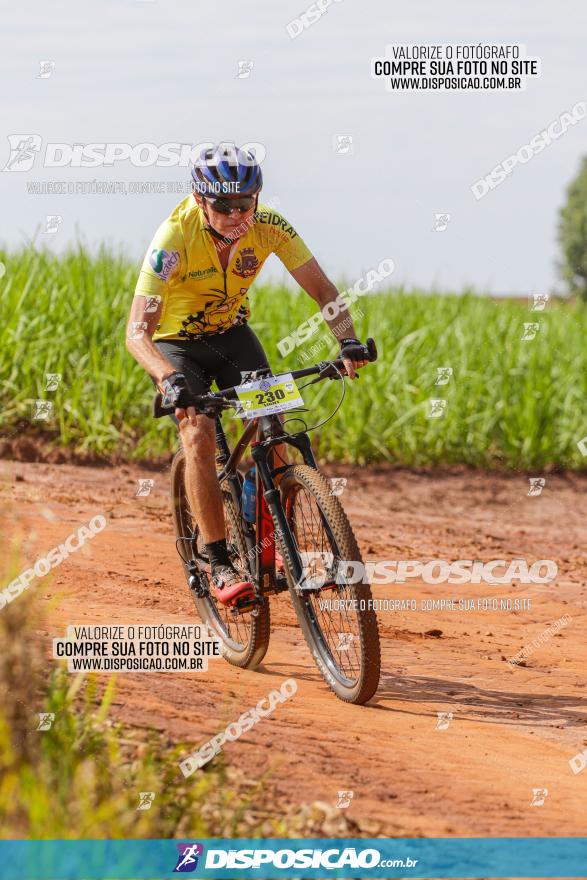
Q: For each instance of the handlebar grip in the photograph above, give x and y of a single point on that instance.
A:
(372, 349)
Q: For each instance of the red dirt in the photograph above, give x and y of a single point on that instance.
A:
(513, 730)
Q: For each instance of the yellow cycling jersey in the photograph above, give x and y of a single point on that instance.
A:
(181, 267)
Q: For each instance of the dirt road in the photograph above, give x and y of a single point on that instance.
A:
(512, 729)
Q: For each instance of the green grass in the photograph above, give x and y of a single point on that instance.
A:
(82, 777)
(510, 402)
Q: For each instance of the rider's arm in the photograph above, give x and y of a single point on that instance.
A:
(142, 322)
(314, 281)
(164, 260)
(298, 260)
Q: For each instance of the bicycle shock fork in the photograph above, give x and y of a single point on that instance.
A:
(271, 518)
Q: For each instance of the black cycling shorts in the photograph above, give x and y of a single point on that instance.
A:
(220, 357)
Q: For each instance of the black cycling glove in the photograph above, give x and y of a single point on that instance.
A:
(352, 349)
(176, 392)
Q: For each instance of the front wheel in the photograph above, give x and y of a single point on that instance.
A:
(336, 618)
(244, 637)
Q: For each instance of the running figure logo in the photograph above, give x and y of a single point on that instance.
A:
(539, 795)
(187, 860)
(46, 719)
(146, 799)
(537, 484)
(23, 151)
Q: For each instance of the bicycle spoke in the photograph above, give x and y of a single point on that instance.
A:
(339, 627)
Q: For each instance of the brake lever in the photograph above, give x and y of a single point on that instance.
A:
(327, 371)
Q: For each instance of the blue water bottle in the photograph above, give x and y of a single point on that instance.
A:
(250, 495)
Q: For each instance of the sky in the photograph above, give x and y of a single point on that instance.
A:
(148, 71)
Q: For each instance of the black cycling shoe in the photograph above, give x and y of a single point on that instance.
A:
(229, 586)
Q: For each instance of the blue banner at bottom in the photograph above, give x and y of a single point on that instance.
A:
(275, 858)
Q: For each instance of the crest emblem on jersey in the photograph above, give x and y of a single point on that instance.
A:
(246, 263)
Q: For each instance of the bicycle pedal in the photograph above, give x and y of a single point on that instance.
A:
(317, 588)
(244, 606)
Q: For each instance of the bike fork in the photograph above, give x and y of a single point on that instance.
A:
(280, 524)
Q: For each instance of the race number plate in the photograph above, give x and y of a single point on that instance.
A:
(266, 396)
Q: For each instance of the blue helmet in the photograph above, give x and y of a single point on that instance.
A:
(227, 170)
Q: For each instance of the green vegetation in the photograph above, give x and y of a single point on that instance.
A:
(572, 232)
(81, 777)
(510, 402)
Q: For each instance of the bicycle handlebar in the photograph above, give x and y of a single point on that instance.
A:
(215, 401)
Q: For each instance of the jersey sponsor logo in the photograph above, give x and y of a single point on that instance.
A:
(246, 263)
(163, 262)
(198, 273)
(275, 220)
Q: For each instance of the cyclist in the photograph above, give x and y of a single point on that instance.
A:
(188, 324)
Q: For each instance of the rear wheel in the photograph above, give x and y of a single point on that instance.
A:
(337, 622)
(244, 636)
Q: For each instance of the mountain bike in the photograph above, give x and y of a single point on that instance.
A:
(300, 519)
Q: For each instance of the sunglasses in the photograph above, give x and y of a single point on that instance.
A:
(227, 206)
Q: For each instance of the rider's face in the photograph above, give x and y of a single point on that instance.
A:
(226, 223)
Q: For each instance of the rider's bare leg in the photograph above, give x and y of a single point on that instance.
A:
(203, 489)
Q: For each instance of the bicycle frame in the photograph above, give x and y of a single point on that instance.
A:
(262, 434)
